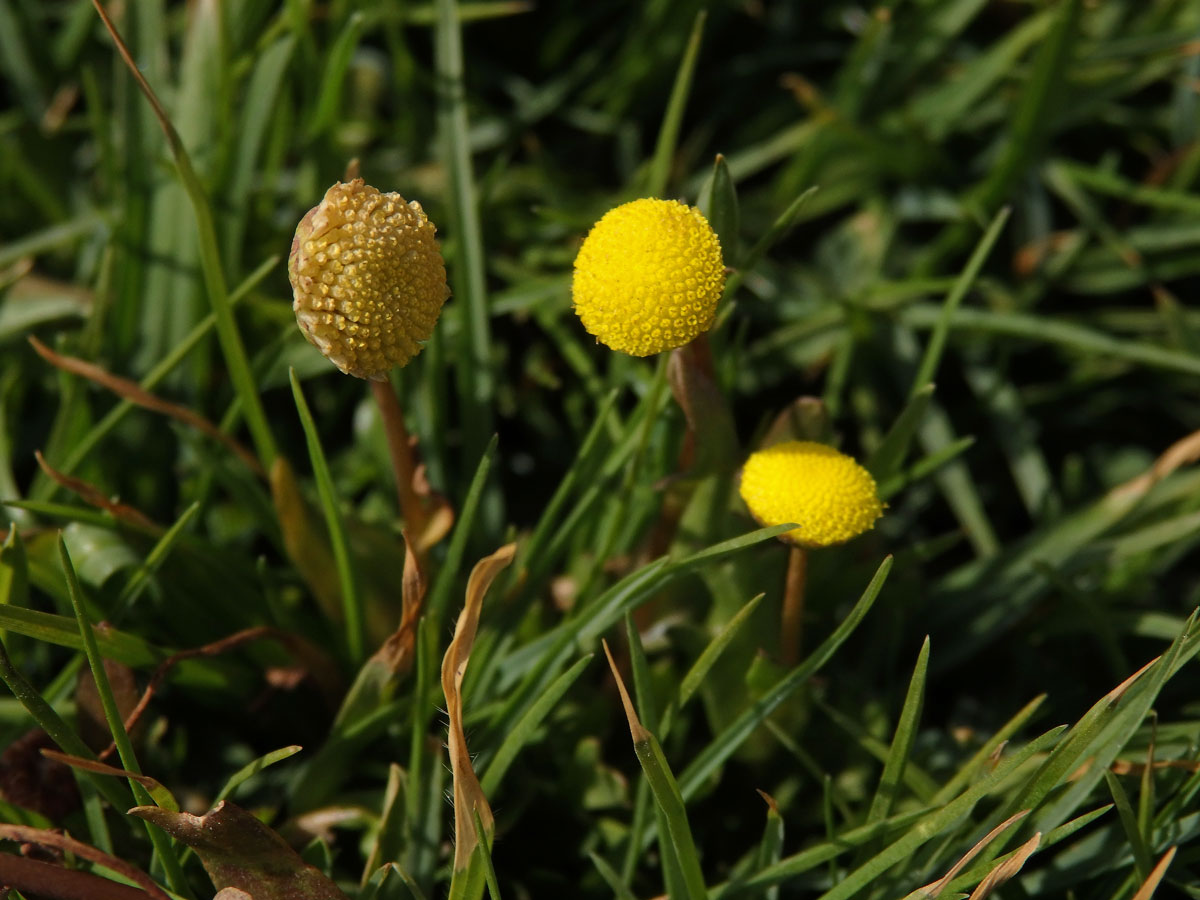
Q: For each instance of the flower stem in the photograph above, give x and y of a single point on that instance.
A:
(792, 622)
(400, 447)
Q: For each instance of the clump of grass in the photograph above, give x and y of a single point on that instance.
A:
(957, 237)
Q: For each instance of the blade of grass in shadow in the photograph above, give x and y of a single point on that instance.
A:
(937, 338)
(770, 850)
(887, 458)
(252, 768)
(351, 603)
(1046, 329)
(674, 880)
(724, 744)
(934, 823)
(86, 444)
(668, 135)
(474, 375)
(986, 752)
(141, 577)
(337, 63)
(556, 647)
(210, 259)
(162, 844)
(691, 681)
(1141, 852)
(523, 731)
(718, 201)
(666, 793)
(902, 741)
(611, 878)
(1032, 120)
(58, 730)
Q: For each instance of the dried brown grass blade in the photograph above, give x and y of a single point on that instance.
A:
(468, 795)
(933, 889)
(135, 393)
(1150, 885)
(93, 496)
(1007, 869)
(99, 768)
(636, 730)
(45, 838)
(397, 652)
(1184, 451)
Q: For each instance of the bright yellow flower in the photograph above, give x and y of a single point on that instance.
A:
(829, 496)
(368, 279)
(648, 277)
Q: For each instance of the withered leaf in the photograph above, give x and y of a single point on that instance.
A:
(238, 851)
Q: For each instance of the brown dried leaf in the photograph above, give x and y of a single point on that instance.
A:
(26, 835)
(933, 889)
(1150, 885)
(29, 779)
(468, 795)
(89, 711)
(135, 393)
(636, 730)
(1007, 869)
(1184, 451)
(238, 851)
(152, 785)
(93, 496)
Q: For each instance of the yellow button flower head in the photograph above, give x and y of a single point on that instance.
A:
(648, 277)
(826, 493)
(368, 279)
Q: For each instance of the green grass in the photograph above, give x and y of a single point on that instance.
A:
(963, 244)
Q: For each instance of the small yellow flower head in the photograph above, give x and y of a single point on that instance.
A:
(826, 493)
(648, 277)
(368, 279)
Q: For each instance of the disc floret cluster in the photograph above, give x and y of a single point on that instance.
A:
(827, 494)
(368, 278)
(648, 277)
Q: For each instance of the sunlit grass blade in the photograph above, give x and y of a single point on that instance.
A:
(718, 201)
(351, 602)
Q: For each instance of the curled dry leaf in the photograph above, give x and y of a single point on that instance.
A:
(469, 799)
(238, 851)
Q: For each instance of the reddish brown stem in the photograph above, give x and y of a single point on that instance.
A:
(400, 446)
(792, 622)
(32, 877)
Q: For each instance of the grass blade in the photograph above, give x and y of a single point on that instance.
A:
(351, 603)
(668, 135)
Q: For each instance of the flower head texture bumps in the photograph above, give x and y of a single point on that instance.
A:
(648, 277)
(368, 279)
(829, 496)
